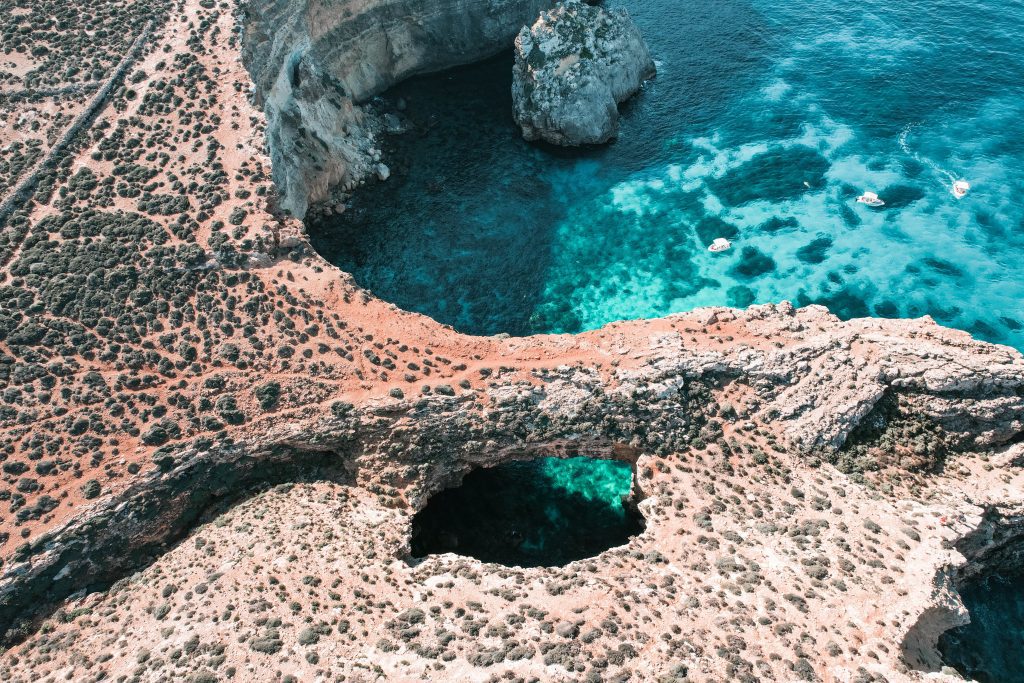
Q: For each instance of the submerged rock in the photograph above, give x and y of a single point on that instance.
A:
(573, 67)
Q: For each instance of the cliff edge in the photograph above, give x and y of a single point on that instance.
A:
(314, 62)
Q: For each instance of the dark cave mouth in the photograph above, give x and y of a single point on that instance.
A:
(989, 648)
(532, 513)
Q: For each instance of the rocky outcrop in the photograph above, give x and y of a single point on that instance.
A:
(313, 62)
(317, 138)
(800, 374)
(992, 546)
(573, 67)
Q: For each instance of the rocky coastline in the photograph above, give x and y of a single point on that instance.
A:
(814, 490)
(317, 63)
(670, 397)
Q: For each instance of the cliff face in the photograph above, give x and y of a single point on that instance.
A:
(314, 61)
(154, 365)
(772, 379)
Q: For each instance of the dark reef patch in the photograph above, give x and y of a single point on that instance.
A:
(753, 263)
(775, 224)
(816, 251)
(776, 175)
(900, 196)
(713, 227)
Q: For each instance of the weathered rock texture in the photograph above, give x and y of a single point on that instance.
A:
(573, 67)
(772, 379)
(814, 489)
(314, 61)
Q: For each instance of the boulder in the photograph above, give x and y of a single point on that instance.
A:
(573, 67)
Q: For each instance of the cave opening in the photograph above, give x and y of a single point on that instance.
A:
(989, 649)
(532, 513)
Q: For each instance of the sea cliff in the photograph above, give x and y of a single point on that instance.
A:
(315, 64)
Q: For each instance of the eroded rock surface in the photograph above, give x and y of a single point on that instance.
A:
(314, 62)
(573, 67)
(815, 490)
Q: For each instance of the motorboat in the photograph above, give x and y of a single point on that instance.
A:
(720, 244)
(960, 188)
(870, 199)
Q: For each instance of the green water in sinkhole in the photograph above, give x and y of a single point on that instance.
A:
(543, 512)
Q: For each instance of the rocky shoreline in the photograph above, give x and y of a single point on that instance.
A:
(815, 490)
(671, 401)
(316, 63)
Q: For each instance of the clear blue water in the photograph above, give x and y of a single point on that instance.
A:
(753, 99)
(544, 512)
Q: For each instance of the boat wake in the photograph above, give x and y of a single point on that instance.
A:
(904, 142)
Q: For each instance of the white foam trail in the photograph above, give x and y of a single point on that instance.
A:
(905, 146)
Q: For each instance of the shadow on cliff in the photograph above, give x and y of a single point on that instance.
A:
(989, 583)
(132, 530)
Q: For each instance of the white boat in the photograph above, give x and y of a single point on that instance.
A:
(720, 244)
(960, 188)
(870, 199)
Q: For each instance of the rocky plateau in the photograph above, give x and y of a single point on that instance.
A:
(214, 441)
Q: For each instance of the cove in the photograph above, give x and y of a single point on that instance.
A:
(764, 123)
(990, 649)
(543, 512)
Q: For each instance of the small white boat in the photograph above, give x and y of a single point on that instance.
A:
(960, 188)
(720, 244)
(871, 199)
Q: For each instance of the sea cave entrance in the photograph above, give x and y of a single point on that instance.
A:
(532, 513)
(990, 649)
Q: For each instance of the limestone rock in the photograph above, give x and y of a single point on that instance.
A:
(315, 62)
(567, 629)
(573, 67)
(316, 138)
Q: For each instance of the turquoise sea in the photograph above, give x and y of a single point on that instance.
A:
(764, 123)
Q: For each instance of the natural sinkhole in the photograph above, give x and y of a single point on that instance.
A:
(990, 649)
(534, 513)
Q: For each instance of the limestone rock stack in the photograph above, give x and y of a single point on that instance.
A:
(573, 67)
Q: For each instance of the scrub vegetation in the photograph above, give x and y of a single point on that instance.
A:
(156, 307)
(146, 280)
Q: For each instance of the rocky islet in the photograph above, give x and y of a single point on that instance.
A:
(573, 67)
